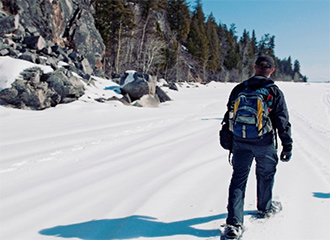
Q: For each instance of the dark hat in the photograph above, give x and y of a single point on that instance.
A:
(265, 62)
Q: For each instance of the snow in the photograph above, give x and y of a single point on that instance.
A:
(11, 68)
(90, 170)
(130, 76)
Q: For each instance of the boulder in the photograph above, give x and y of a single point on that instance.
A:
(29, 92)
(36, 90)
(137, 85)
(163, 97)
(35, 42)
(67, 86)
(8, 24)
(28, 57)
(173, 86)
(148, 100)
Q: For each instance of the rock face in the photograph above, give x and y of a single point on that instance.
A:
(60, 29)
(49, 32)
(36, 90)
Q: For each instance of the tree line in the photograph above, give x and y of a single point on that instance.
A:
(165, 38)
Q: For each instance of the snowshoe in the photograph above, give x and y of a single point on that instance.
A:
(232, 232)
(276, 207)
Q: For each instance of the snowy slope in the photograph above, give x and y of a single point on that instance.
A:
(90, 170)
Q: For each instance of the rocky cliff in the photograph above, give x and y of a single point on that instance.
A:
(58, 25)
(54, 33)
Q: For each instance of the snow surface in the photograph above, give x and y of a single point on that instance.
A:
(90, 170)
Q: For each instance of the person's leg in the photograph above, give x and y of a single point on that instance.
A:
(242, 160)
(266, 162)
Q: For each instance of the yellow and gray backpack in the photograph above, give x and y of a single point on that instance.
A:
(249, 119)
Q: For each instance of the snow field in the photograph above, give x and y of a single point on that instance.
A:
(91, 170)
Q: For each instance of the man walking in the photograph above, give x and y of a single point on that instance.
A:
(256, 112)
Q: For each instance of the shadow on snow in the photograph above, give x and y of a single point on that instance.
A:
(133, 227)
(321, 195)
(136, 226)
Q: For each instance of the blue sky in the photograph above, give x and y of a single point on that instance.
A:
(301, 28)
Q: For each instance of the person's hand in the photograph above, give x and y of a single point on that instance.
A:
(286, 156)
(286, 153)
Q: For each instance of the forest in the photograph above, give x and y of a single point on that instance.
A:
(167, 39)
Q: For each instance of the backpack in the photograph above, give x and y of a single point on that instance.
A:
(249, 120)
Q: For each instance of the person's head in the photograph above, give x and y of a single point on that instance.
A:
(264, 66)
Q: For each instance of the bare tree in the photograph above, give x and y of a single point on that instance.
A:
(152, 54)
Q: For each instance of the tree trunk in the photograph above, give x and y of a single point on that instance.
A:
(118, 49)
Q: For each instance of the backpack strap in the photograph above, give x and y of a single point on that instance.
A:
(272, 93)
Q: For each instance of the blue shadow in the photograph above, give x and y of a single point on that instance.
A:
(133, 227)
(116, 89)
(321, 195)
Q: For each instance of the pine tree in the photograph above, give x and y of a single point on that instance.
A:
(197, 40)
(296, 66)
(288, 67)
(267, 45)
(213, 63)
(178, 16)
(232, 59)
(247, 50)
(254, 43)
(114, 20)
(150, 5)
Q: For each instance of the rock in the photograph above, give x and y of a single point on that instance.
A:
(84, 33)
(173, 86)
(8, 96)
(9, 42)
(86, 67)
(36, 90)
(66, 23)
(28, 93)
(136, 89)
(137, 85)
(163, 97)
(35, 42)
(148, 100)
(4, 52)
(122, 100)
(28, 57)
(126, 98)
(68, 87)
(8, 24)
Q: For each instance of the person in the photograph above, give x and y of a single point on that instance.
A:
(263, 150)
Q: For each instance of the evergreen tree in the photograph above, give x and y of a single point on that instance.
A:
(254, 43)
(288, 67)
(197, 39)
(267, 45)
(148, 5)
(114, 20)
(232, 58)
(213, 63)
(149, 35)
(247, 51)
(296, 66)
(178, 15)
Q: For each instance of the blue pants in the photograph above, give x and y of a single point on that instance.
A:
(266, 162)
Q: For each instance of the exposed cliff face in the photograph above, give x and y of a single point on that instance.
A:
(67, 23)
(49, 32)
